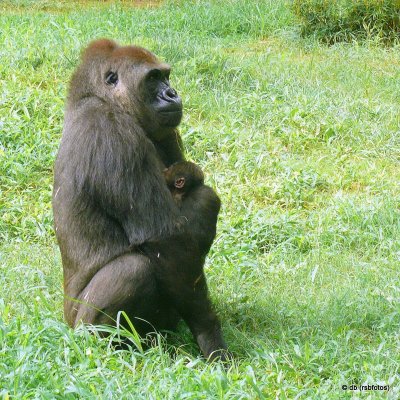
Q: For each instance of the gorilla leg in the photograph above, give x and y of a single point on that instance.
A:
(189, 294)
(126, 283)
(196, 309)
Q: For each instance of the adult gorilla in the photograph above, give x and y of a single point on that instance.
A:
(125, 243)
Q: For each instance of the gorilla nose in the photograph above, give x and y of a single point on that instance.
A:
(170, 94)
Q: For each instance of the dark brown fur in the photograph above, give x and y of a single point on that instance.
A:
(125, 243)
(181, 178)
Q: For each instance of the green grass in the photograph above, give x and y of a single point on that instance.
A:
(301, 141)
(346, 20)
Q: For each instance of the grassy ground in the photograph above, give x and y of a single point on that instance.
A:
(301, 141)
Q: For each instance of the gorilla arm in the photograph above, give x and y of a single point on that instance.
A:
(116, 171)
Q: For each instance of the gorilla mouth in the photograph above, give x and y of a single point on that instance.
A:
(169, 112)
(171, 117)
(170, 108)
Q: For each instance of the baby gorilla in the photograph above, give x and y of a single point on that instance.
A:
(185, 181)
(185, 253)
(181, 178)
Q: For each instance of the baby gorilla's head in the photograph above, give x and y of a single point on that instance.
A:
(183, 176)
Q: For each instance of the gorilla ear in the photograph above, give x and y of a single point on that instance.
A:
(100, 47)
(180, 182)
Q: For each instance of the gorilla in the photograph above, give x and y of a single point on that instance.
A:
(128, 240)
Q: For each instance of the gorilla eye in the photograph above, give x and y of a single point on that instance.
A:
(111, 78)
(155, 74)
